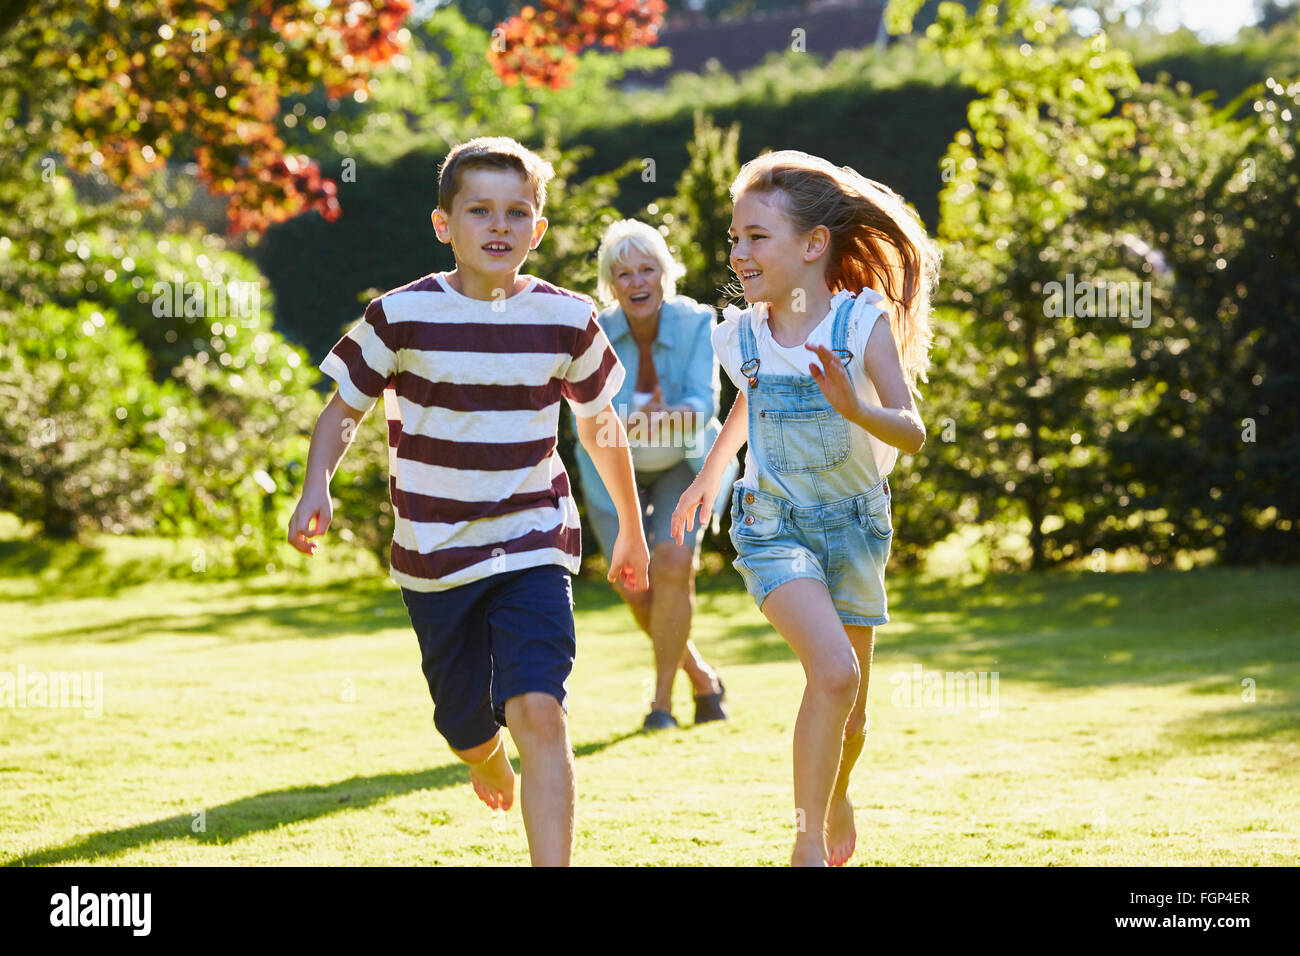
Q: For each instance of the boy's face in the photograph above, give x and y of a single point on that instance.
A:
(492, 224)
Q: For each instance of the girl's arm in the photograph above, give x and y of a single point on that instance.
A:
(895, 420)
(734, 434)
(703, 491)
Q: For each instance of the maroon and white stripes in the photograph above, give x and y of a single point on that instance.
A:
(472, 391)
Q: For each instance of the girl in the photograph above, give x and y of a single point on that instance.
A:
(822, 254)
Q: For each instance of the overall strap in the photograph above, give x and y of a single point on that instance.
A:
(748, 344)
(749, 362)
(840, 331)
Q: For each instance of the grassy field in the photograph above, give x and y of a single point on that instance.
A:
(1137, 719)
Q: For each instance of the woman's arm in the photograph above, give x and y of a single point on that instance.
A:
(702, 385)
(603, 438)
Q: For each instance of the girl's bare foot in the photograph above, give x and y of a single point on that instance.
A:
(808, 852)
(841, 836)
(494, 779)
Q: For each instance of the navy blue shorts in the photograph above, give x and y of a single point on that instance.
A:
(490, 640)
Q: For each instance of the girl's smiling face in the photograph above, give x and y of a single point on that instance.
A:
(766, 254)
(493, 223)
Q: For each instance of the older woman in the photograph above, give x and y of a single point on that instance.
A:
(669, 404)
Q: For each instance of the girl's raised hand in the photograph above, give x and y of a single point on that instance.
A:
(697, 495)
(834, 381)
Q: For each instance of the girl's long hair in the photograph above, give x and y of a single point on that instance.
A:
(877, 241)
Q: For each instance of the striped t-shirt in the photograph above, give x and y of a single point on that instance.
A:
(472, 394)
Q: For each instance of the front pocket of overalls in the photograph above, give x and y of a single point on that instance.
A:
(880, 521)
(755, 522)
(805, 440)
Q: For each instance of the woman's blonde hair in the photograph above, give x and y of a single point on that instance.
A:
(877, 241)
(619, 240)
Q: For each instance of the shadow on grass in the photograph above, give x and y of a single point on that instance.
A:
(269, 810)
(1095, 629)
(66, 568)
(341, 609)
(1207, 627)
(38, 568)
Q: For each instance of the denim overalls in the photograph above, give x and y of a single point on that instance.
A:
(818, 511)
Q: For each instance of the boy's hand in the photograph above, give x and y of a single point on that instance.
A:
(630, 562)
(310, 519)
(701, 493)
(833, 379)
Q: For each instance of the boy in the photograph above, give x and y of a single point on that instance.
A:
(485, 528)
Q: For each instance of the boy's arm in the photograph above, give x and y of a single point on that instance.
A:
(330, 440)
(605, 440)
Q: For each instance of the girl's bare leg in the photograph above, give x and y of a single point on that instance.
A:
(841, 835)
(802, 613)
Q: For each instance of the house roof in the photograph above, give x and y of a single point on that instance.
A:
(737, 45)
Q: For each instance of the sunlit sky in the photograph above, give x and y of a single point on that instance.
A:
(1213, 20)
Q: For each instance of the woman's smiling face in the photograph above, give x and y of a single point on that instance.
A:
(765, 252)
(637, 281)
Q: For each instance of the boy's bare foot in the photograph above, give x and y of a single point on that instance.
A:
(841, 836)
(494, 780)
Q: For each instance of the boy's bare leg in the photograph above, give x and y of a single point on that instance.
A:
(802, 612)
(537, 724)
(841, 835)
(490, 772)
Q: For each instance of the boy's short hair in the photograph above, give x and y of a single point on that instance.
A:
(493, 152)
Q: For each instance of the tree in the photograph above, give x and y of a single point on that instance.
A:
(1026, 390)
(1212, 460)
(537, 46)
(697, 218)
(118, 88)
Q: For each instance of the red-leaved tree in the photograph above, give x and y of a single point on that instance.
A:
(119, 86)
(538, 45)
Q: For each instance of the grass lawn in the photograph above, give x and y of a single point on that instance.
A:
(284, 720)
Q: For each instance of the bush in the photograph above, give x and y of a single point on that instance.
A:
(82, 422)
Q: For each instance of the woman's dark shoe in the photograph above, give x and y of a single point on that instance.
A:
(659, 720)
(709, 706)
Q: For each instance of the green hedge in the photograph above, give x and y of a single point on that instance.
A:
(322, 273)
